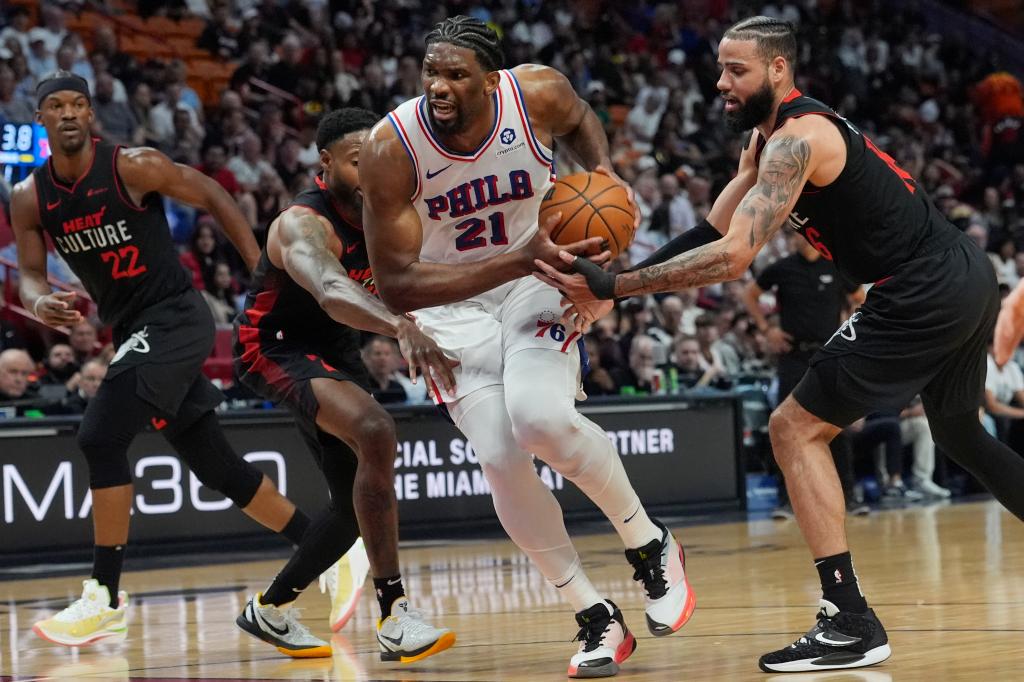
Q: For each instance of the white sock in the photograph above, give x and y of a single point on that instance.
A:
(575, 587)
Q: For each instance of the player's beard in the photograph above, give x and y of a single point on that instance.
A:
(349, 199)
(754, 111)
(70, 148)
(449, 127)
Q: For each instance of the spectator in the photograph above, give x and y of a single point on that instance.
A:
(83, 341)
(287, 72)
(205, 253)
(692, 370)
(287, 166)
(17, 29)
(598, 380)
(16, 368)
(177, 74)
(86, 385)
(675, 210)
(52, 30)
(643, 119)
(185, 145)
(883, 429)
(161, 117)
(1004, 386)
(248, 165)
(59, 366)
(639, 375)
(41, 60)
(707, 336)
(221, 34)
(141, 105)
(213, 165)
(916, 433)
(219, 294)
(13, 108)
(118, 123)
(381, 360)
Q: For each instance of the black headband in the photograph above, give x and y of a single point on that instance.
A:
(48, 87)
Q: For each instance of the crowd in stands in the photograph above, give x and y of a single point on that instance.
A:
(946, 112)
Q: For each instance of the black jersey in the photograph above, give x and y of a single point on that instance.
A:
(123, 253)
(277, 309)
(810, 296)
(873, 217)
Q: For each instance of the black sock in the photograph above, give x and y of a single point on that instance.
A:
(324, 542)
(388, 590)
(839, 583)
(106, 568)
(296, 527)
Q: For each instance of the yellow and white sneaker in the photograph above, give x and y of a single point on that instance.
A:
(344, 582)
(87, 620)
(405, 636)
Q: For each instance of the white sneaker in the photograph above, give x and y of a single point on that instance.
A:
(933, 489)
(279, 626)
(404, 635)
(661, 566)
(88, 619)
(604, 639)
(344, 582)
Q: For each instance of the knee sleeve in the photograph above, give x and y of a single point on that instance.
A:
(203, 447)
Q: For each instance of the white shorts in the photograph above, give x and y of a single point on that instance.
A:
(483, 331)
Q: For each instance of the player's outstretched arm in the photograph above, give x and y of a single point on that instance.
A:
(394, 237)
(52, 307)
(308, 251)
(146, 170)
(1010, 326)
(786, 163)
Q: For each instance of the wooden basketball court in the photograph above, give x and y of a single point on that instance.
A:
(947, 581)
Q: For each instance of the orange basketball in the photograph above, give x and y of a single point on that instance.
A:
(592, 205)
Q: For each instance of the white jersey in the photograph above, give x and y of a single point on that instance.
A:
(474, 206)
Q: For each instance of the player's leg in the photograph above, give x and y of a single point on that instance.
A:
(268, 615)
(533, 520)
(196, 435)
(112, 420)
(351, 415)
(541, 375)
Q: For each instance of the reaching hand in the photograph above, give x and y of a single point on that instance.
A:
(1009, 327)
(589, 283)
(582, 316)
(424, 355)
(55, 309)
(629, 193)
(540, 247)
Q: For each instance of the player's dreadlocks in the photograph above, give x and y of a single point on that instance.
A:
(473, 34)
(774, 37)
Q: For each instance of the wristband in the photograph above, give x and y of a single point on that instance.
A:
(601, 283)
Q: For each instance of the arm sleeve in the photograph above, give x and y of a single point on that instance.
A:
(700, 235)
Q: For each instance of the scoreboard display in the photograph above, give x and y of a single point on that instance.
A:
(23, 144)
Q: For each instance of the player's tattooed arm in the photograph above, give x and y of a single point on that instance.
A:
(308, 250)
(784, 168)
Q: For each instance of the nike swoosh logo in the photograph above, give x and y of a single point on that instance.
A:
(396, 642)
(632, 515)
(395, 581)
(350, 249)
(436, 173)
(820, 637)
(93, 192)
(272, 628)
(50, 207)
(558, 587)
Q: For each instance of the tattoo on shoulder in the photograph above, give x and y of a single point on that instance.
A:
(780, 175)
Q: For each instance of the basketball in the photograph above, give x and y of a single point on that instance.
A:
(592, 205)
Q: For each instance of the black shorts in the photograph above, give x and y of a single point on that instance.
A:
(166, 344)
(282, 372)
(925, 330)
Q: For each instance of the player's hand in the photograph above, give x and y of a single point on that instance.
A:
(629, 193)
(587, 284)
(1009, 327)
(424, 356)
(541, 248)
(582, 316)
(778, 341)
(57, 308)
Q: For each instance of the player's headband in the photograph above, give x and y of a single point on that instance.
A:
(48, 87)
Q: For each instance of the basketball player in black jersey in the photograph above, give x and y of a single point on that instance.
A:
(102, 207)
(922, 329)
(298, 343)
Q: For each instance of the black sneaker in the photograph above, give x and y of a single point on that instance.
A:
(855, 508)
(839, 640)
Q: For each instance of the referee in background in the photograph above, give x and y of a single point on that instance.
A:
(811, 300)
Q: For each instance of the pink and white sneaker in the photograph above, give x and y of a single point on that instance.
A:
(604, 639)
(661, 566)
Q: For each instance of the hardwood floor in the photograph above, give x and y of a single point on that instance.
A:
(947, 582)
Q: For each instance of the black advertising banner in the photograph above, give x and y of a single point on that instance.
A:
(676, 452)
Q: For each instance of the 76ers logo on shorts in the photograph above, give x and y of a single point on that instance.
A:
(548, 325)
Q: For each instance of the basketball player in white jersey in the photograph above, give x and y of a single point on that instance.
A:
(452, 183)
